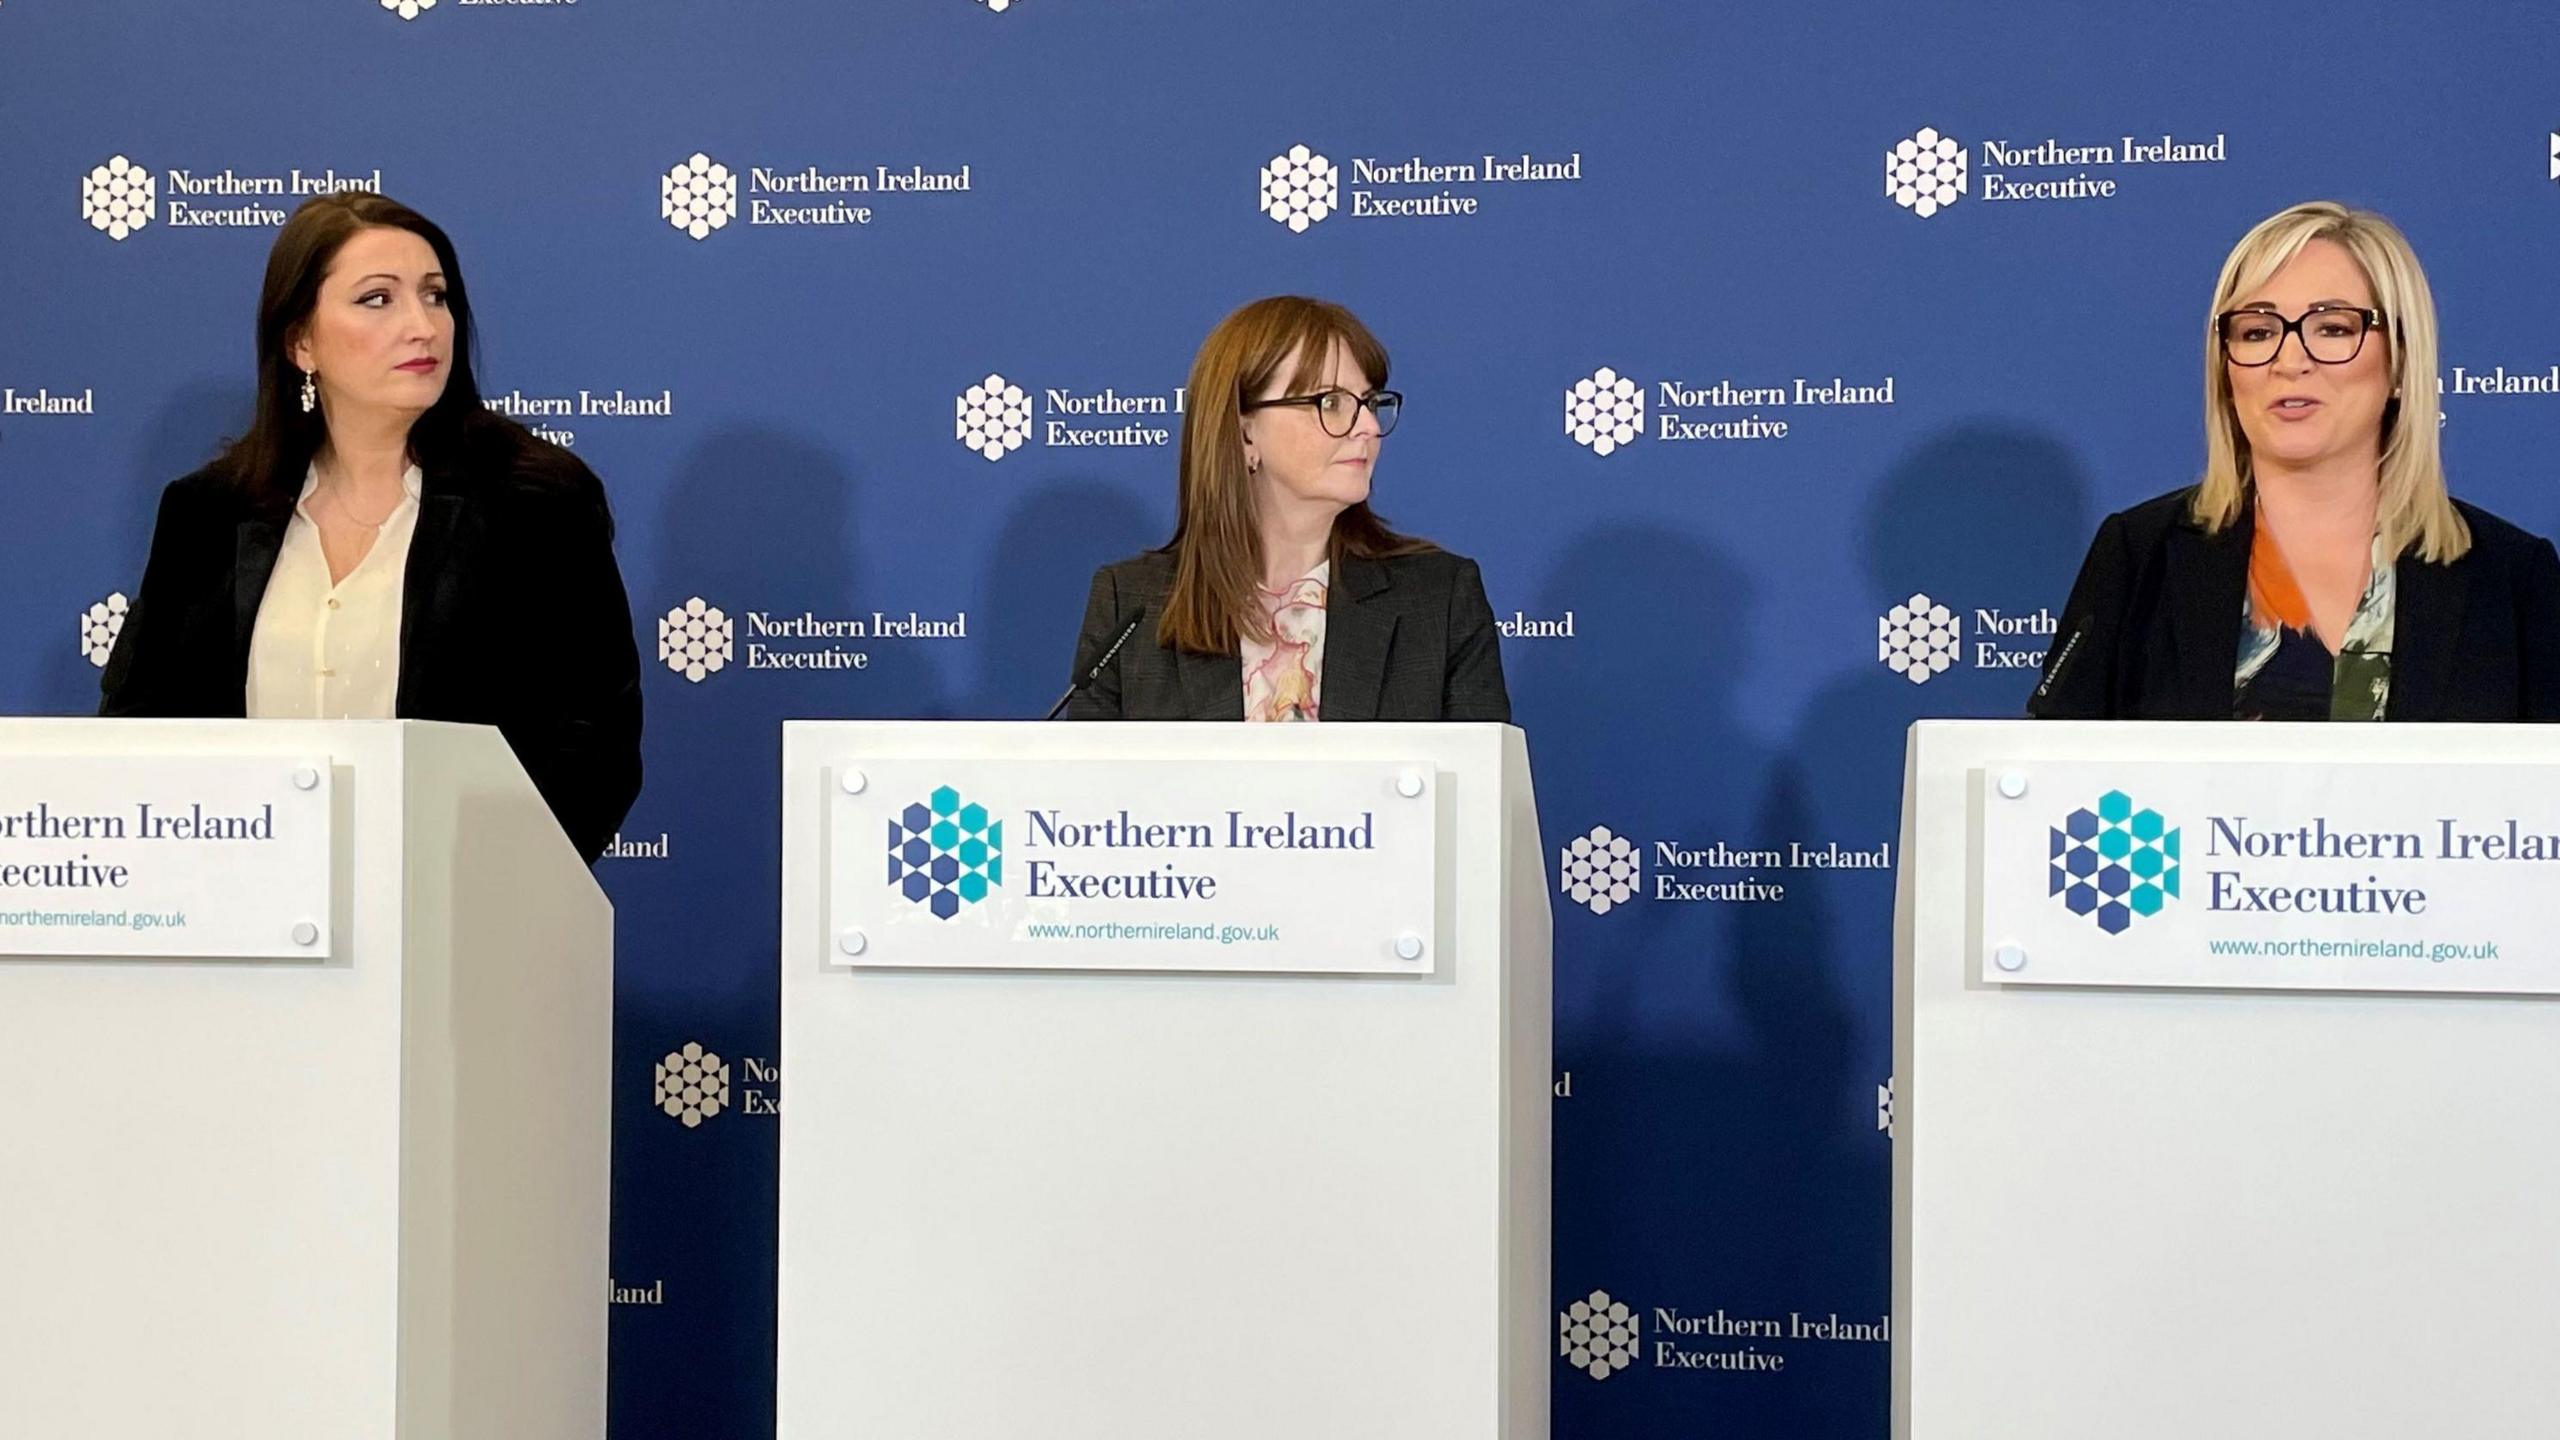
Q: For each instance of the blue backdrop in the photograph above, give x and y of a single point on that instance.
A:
(864, 312)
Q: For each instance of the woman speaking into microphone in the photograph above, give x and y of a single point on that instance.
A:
(2319, 571)
(379, 545)
(1282, 596)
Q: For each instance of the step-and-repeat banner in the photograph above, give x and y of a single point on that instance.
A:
(1776, 361)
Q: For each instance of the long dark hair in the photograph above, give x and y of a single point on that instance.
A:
(1217, 544)
(269, 462)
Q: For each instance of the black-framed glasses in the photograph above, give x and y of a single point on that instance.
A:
(1338, 410)
(2330, 334)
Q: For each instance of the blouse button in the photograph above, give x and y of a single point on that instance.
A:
(333, 602)
(327, 673)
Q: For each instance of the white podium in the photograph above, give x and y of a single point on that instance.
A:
(359, 1190)
(2262, 1154)
(1056, 1164)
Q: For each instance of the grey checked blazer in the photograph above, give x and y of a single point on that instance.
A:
(1409, 638)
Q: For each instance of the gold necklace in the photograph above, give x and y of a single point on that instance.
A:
(340, 501)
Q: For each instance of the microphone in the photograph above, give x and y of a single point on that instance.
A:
(1095, 673)
(2061, 657)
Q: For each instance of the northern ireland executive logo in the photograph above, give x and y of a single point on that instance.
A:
(994, 417)
(2114, 862)
(408, 9)
(1599, 1335)
(1926, 173)
(696, 639)
(945, 853)
(1300, 188)
(1919, 638)
(1601, 871)
(692, 1085)
(118, 198)
(698, 195)
(1603, 410)
(100, 624)
(1933, 170)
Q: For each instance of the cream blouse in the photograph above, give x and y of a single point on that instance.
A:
(325, 651)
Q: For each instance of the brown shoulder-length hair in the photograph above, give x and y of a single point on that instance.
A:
(1217, 544)
(269, 461)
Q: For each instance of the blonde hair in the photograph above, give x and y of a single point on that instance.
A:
(2416, 512)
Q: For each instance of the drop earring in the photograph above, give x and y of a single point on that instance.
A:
(310, 393)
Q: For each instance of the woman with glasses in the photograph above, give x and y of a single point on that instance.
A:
(1282, 595)
(2319, 571)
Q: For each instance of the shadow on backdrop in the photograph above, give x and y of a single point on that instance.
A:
(755, 521)
(1035, 585)
(1991, 521)
(188, 430)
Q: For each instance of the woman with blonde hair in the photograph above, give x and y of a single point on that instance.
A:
(2319, 571)
(1282, 596)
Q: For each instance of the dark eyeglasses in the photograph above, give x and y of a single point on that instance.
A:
(2330, 334)
(1338, 410)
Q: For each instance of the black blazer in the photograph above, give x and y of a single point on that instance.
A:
(2152, 630)
(1408, 638)
(512, 615)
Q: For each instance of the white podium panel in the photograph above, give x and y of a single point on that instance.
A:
(2202, 1127)
(355, 1195)
(1261, 1195)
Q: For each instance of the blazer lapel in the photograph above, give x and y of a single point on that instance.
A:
(253, 564)
(1359, 625)
(427, 587)
(2205, 582)
(1212, 685)
(2426, 615)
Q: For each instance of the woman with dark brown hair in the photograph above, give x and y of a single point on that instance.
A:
(1282, 596)
(379, 545)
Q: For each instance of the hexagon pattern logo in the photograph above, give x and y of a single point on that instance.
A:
(945, 853)
(1603, 411)
(997, 6)
(2555, 154)
(100, 624)
(1919, 638)
(1884, 1107)
(1300, 188)
(693, 1085)
(1598, 1335)
(408, 9)
(696, 639)
(1925, 174)
(1601, 870)
(118, 198)
(994, 417)
(699, 195)
(2113, 863)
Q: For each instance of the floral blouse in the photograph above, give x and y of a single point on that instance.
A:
(2285, 672)
(1284, 674)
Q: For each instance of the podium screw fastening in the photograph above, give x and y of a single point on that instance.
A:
(853, 941)
(2010, 957)
(852, 781)
(2013, 783)
(305, 933)
(306, 777)
(1409, 784)
(1408, 947)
